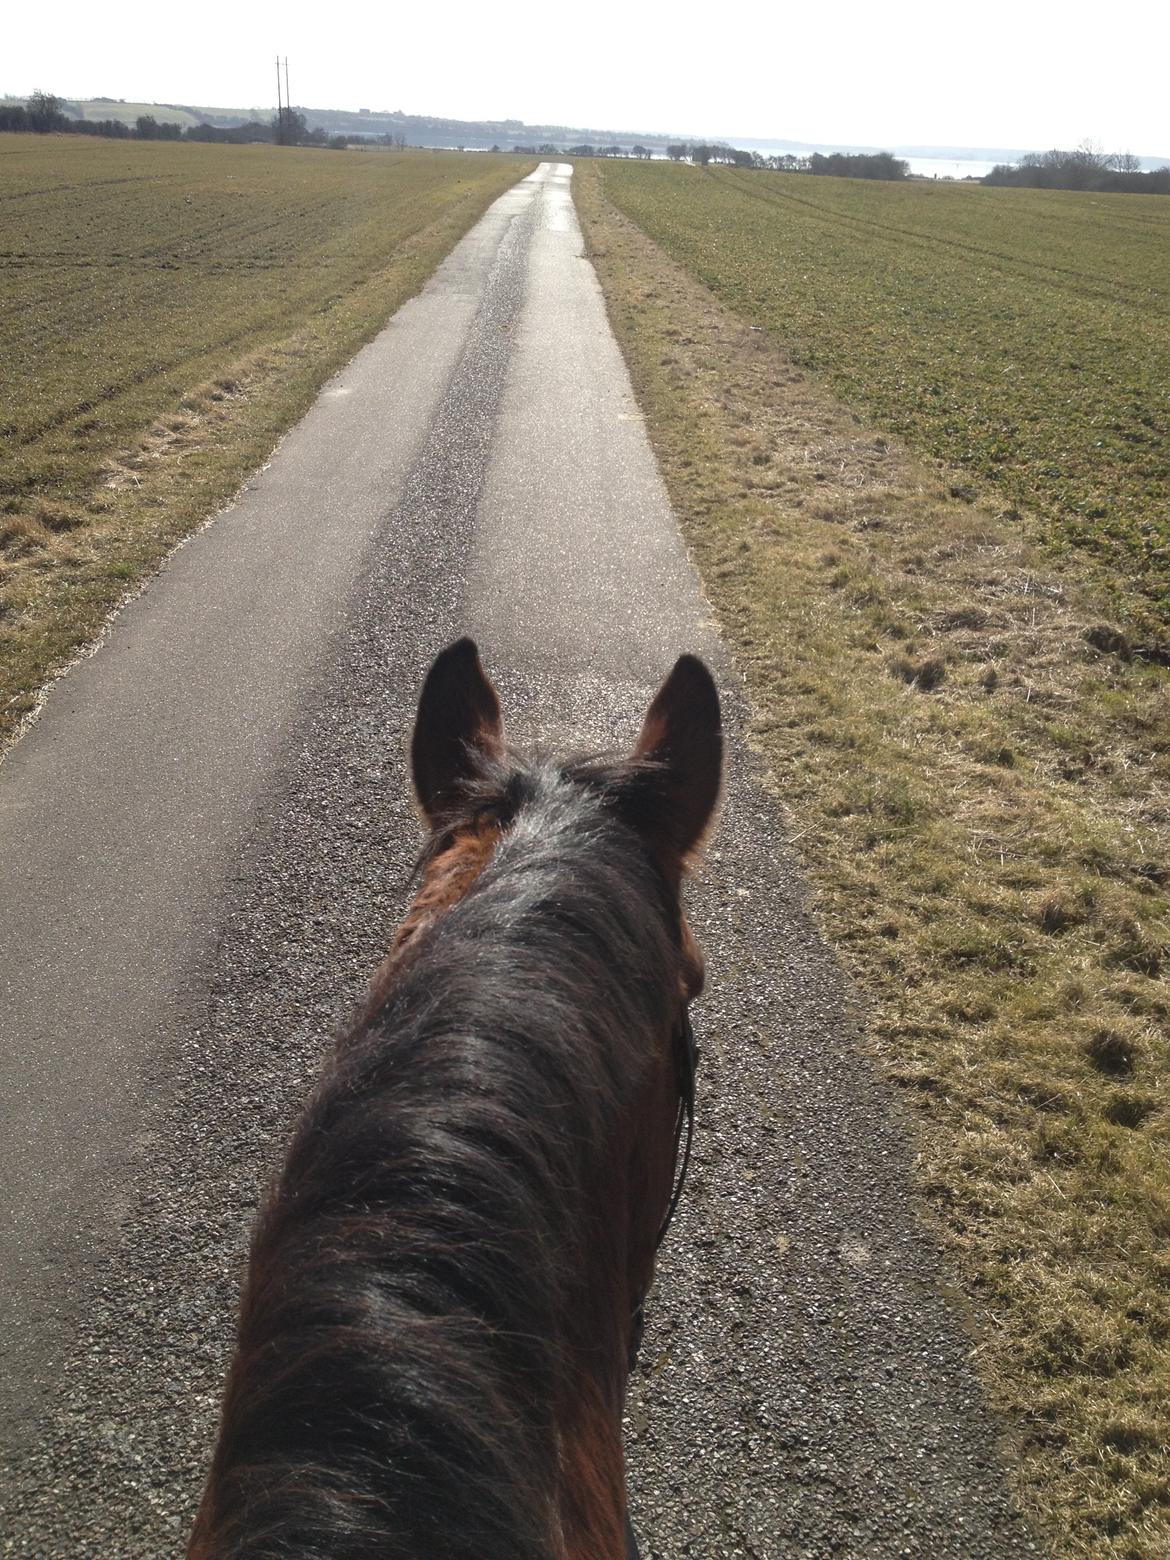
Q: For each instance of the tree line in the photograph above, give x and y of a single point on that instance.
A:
(44, 114)
(1086, 168)
(844, 165)
(1083, 169)
(847, 165)
(547, 149)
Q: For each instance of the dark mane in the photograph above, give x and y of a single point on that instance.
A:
(415, 1314)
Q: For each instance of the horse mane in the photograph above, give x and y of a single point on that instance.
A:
(408, 1327)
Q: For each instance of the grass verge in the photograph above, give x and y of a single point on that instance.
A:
(173, 310)
(977, 769)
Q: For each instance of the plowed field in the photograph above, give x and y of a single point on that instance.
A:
(165, 312)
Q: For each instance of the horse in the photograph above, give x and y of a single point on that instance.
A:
(445, 1287)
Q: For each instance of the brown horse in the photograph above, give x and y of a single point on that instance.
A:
(445, 1287)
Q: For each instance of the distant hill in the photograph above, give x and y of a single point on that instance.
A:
(988, 154)
(96, 109)
(948, 153)
(482, 134)
(418, 129)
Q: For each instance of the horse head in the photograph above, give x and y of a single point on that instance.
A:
(445, 1288)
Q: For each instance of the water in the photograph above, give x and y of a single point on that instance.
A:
(945, 168)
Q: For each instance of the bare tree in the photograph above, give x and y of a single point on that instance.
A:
(44, 112)
(289, 127)
(1091, 157)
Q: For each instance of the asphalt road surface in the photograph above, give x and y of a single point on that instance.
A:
(204, 843)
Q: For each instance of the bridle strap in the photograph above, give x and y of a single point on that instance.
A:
(632, 1550)
(686, 1059)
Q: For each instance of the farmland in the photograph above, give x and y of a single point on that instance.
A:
(1022, 337)
(971, 745)
(168, 310)
(102, 108)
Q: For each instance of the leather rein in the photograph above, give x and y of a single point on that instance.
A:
(686, 1062)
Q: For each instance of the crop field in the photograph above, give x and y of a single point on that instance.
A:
(166, 312)
(1021, 336)
(971, 746)
(96, 109)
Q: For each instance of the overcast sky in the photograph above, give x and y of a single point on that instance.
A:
(1018, 74)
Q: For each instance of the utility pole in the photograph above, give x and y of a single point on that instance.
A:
(284, 118)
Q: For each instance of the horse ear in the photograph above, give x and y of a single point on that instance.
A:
(683, 732)
(458, 723)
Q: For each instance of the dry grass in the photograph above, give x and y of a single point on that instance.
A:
(154, 357)
(977, 768)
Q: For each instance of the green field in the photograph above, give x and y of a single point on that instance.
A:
(96, 110)
(1021, 336)
(972, 752)
(167, 311)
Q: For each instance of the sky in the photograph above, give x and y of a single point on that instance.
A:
(1026, 74)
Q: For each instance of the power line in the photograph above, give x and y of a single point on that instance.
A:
(284, 119)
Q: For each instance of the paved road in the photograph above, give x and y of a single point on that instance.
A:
(203, 844)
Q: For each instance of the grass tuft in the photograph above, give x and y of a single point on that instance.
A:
(1113, 1050)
